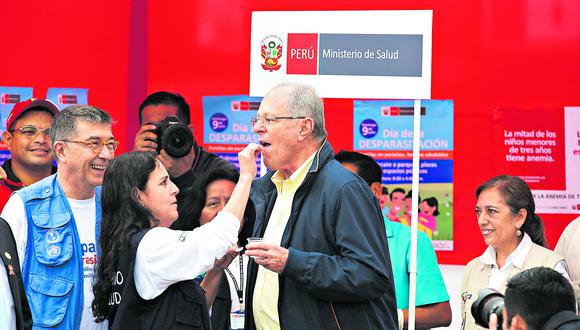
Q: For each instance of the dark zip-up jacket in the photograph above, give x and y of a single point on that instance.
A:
(338, 274)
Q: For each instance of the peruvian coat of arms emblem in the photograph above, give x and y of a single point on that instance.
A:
(271, 53)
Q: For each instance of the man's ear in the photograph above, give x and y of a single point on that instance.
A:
(59, 151)
(377, 189)
(305, 128)
(518, 323)
(7, 139)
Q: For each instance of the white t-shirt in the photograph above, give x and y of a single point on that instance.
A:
(166, 256)
(84, 212)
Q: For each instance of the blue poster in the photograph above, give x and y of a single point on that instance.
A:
(64, 97)
(227, 127)
(384, 130)
(8, 97)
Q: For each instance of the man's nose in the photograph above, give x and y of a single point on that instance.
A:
(106, 153)
(258, 127)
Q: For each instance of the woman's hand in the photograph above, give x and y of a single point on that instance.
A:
(248, 169)
(227, 259)
(213, 277)
(247, 159)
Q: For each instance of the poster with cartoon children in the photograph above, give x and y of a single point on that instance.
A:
(384, 130)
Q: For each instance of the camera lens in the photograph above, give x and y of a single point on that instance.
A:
(489, 301)
(177, 140)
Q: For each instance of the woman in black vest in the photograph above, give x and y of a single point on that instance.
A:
(146, 270)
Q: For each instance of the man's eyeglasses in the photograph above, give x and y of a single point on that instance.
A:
(267, 120)
(97, 146)
(31, 131)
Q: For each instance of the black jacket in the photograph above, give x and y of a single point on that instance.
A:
(565, 320)
(221, 307)
(9, 256)
(338, 274)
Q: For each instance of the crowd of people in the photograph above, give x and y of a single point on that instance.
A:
(149, 240)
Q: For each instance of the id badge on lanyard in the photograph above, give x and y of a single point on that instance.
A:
(238, 318)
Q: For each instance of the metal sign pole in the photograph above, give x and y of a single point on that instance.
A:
(414, 215)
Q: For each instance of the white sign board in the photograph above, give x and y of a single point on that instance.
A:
(344, 54)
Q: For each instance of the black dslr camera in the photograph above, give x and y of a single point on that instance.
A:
(173, 137)
(489, 301)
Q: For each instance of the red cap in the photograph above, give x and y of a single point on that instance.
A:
(21, 107)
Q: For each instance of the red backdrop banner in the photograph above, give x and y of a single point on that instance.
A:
(487, 54)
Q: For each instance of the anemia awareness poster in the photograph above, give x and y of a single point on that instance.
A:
(8, 97)
(227, 126)
(542, 146)
(384, 130)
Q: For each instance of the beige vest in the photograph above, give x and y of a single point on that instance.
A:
(476, 276)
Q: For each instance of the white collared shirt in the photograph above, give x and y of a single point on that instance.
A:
(497, 275)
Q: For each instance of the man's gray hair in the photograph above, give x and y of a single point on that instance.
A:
(64, 124)
(303, 100)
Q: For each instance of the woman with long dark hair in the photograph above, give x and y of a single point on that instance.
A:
(146, 270)
(514, 233)
(225, 284)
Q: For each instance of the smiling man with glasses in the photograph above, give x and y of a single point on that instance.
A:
(26, 137)
(61, 214)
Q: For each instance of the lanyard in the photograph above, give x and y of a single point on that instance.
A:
(240, 288)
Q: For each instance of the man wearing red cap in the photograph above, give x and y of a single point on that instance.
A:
(27, 138)
(31, 159)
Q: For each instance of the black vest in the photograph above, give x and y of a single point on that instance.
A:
(181, 306)
(9, 255)
(222, 305)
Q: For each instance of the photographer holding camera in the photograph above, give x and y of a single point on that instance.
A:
(537, 298)
(166, 130)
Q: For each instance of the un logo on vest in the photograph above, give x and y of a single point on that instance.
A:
(53, 250)
(52, 236)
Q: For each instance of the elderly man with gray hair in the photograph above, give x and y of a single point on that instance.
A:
(323, 262)
(55, 221)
